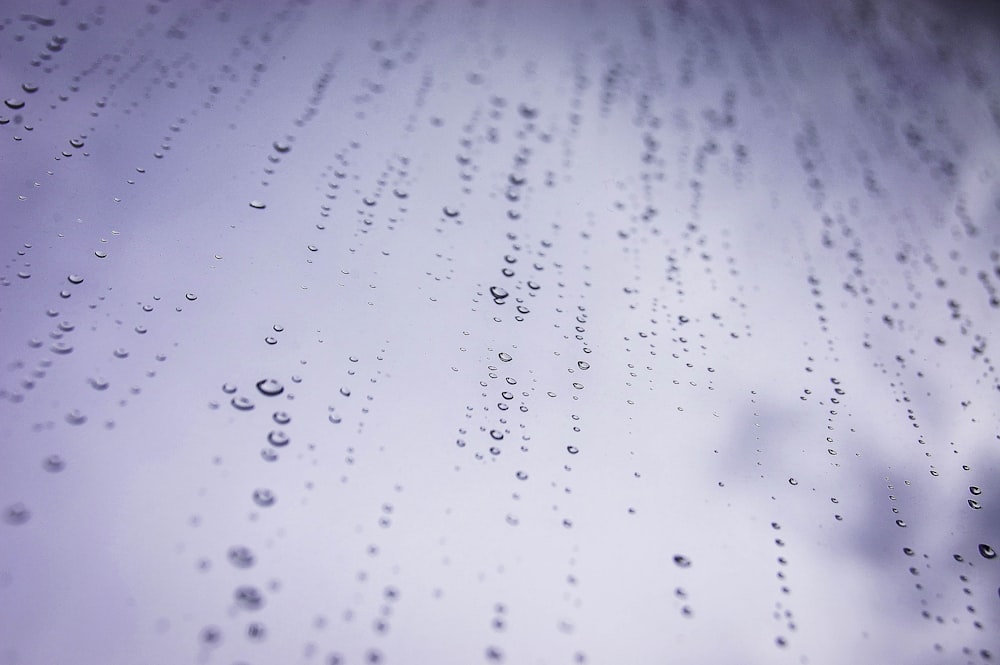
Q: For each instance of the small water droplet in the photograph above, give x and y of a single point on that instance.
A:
(498, 292)
(101, 254)
(75, 279)
(264, 497)
(901, 523)
(270, 387)
(505, 357)
(241, 556)
(682, 561)
(248, 597)
(242, 403)
(17, 514)
(14, 103)
(573, 450)
(282, 147)
(792, 481)
(258, 205)
(75, 417)
(987, 551)
(975, 490)
(54, 463)
(270, 340)
(282, 418)
(190, 296)
(975, 505)
(278, 438)
(496, 434)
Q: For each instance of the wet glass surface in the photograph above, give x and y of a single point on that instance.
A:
(493, 332)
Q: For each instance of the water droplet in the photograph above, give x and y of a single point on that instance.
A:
(521, 475)
(75, 279)
(270, 340)
(573, 450)
(190, 296)
(17, 514)
(98, 383)
(241, 556)
(54, 463)
(269, 454)
(505, 357)
(282, 418)
(248, 597)
(278, 327)
(975, 505)
(496, 434)
(498, 292)
(258, 205)
(450, 212)
(792, 481)
(987, 551)
(282, 147)
(210, 636)
(582, 364)
(14, 103)
(264, 497)
(975, 490)
(75, 417)
(278, 439)
(62, 348)
(901, 523)
(242, 403)
(270, 387)
(346, 392)
(29, 87)
(101, 254)
(682, 561)
(120, 353)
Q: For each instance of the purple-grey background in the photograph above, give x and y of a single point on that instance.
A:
(739, 404)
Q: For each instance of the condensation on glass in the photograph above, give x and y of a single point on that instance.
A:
(462, 332)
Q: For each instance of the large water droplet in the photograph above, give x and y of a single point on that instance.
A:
(987, 551)
(258, 205)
